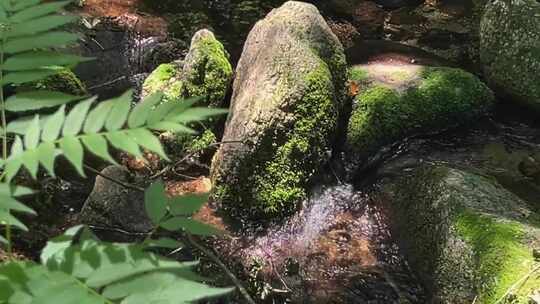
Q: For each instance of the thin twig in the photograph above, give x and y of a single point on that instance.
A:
(189, 155)
(98, 44)
(118, 230)
(107, 83)
(114, 180)
(216, 260)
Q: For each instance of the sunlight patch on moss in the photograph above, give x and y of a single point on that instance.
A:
(443, 98)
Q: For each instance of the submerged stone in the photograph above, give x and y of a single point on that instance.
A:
(288, 92)
(466, 236)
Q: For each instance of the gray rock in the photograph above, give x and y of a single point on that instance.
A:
(510, 48)
(465, 235)
(288, 93)
(113, 206)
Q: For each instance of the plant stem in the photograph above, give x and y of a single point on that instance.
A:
(121, 183)
(4, 134)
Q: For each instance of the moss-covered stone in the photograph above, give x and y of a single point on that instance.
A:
(510, 48)
(285, 177)
(166, 79)
(466, 236)
(284, 111)
(64, 81)
(205, 72)
(409, 101)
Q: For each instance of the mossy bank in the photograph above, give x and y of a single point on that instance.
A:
(64, 81)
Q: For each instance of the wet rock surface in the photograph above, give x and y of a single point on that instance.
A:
(489, 190)
(465, 235)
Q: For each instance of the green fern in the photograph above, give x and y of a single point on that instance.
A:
(42, 140)
(77, 267)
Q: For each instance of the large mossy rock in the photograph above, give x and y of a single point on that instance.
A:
(466, 236)
(206, 72)
(399, 100)
(288, 93)
(510, 48)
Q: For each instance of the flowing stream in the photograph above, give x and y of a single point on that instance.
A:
(339, 248)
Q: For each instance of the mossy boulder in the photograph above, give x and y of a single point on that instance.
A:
(396, 101)
(206, 72)
(510, 48)
(64, 81)
(466, 236)
(287, 95)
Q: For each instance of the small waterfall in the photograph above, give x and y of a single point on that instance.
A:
(338, 246)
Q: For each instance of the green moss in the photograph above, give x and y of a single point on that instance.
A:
(274, 179)
(207, 74)
(201, 142)
(64, 81)
(165, 79)
(501, 256)
(284, 179)
(211, 73)
(444, 97)
(357, 74)
(158, 79)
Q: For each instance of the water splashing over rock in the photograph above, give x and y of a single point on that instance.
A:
(338, 247)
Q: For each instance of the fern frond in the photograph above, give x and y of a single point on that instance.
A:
(91, 271)
(110, 122)
(8, 195)
(29, 29)
(35, 100)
